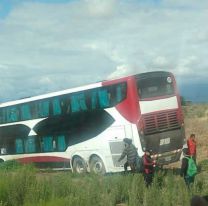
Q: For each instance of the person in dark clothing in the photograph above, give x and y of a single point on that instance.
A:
(184, 167)
(131, 152)
(149, 164)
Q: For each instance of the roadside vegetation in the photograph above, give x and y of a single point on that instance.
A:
(24, 185)
(196, 119)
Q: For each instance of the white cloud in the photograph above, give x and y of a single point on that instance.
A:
(160, 61)
(45, 80)
(100, 8)
(202, 36)
(121, 70)
(47, 47)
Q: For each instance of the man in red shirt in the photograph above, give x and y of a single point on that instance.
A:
(191, 143)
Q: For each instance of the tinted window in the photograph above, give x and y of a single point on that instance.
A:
(47, 144)
(25, 112)
(43, 108)
(155, 87)
(30, 145)
(12, 114)
(9, 114)
(78, 102)
(61, 143)
(19, 146)
(89, 100)
(56, 106)
(34, 110)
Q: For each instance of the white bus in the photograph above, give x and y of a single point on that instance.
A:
(82, 128)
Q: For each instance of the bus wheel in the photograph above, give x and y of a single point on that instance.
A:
(97, 166)
(79, 165)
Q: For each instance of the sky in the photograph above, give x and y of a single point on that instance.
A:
(51, 45)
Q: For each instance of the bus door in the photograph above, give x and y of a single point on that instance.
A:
(116, 144)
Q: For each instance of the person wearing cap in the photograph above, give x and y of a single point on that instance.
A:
(148, 171)
(130, 152)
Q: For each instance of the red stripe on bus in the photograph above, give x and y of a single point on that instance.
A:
(42, 159)
(129, 108)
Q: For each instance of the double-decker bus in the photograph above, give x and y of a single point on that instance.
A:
(83, 128)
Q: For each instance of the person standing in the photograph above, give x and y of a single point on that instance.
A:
(191, 143)
(188, 168)
(131, 152)
(148, 164)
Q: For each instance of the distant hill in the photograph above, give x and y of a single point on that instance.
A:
(197, 93)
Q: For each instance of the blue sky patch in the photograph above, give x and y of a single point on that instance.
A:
(5, 7)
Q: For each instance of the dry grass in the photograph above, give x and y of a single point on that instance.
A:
(196, 121)
(199, 127)
(196, 110)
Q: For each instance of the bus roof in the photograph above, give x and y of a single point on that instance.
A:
(62, 92)
(80, 88)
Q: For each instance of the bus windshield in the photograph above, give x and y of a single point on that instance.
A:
(150, 87)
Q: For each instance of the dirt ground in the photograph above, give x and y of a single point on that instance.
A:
(198, 126)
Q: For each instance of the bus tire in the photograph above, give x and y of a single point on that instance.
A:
(97, 166)
(79, 165)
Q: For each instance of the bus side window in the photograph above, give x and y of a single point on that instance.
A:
(120, 92)
(25, 112)
(47, 144)
(56, 106)
(61, 143)
(19, 146)
(34, 110)
(94, 99)
(12, 114)
(65, 104)
(68, 105)
(30, 146)
(112, 96)
(3, 115)
(103, 96)
(78, 102)
(43, 108)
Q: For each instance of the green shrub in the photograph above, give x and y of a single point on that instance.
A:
(10, 165)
